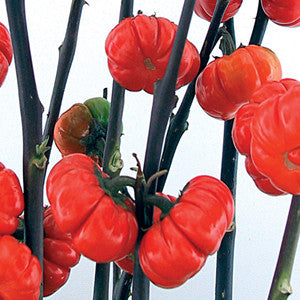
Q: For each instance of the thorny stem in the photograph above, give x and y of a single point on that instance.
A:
(101, 281)
(163, 104)
(31, 114)
(281, 288)
(178, 123)
(66, 55)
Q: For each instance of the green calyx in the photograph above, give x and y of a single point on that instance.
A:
(115, 187)
(115, 162)
(164, 204)
(95, 141)
(19, 233)
(99, 109)
(227, 45)
(39, 159)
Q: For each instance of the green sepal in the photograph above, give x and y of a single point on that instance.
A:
(39, 159)
(227, 45)
(100, 109)
(114, 187)
(164, 204)
(95, 141)
(19, 233)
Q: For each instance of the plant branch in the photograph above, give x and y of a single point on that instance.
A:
(66, 55)
(225, 255)
(112, 141)
(116, 108)
(163, 104)
(178, 123)
(31, 114)
(111, 150)
(281, 288)
(122, 287)
(260, 25)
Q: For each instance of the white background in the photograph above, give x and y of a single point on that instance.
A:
(260, 218)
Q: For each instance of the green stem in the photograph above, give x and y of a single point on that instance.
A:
(281, 288)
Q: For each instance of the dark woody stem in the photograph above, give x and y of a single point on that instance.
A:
(31, 114)
(35, 151)
(122, 287)
(178, 123)
(66, 55)
(163, 104)
(114, 130)
(101, 281)
(116, 109)
(225, 255)
(260, 25)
